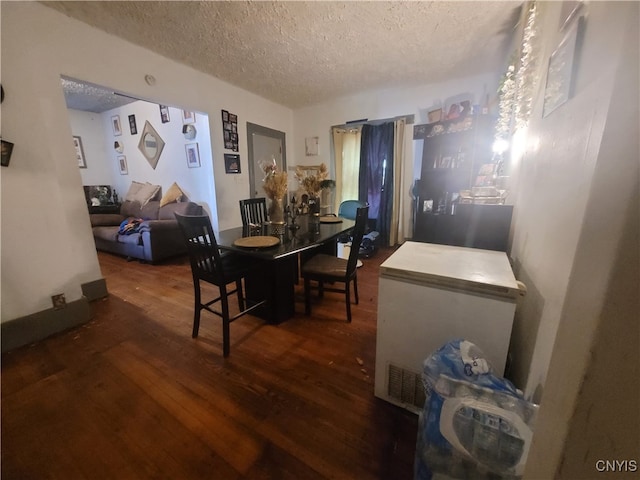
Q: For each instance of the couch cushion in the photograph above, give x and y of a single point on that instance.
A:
(133, 209)
(106, 233)
(147, 193)
(133, 190)
(183, 208)
(105, 219)
(132, 239)
(174, 194)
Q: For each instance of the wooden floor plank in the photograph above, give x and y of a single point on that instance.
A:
(132, 395)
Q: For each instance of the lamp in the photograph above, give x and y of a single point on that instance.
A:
(189, 132)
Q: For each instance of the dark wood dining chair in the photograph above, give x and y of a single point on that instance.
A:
(253, 211)
(209, 264)
(323, 268)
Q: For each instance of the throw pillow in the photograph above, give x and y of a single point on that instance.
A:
(146, 193)
(174, 194)
(133, 190)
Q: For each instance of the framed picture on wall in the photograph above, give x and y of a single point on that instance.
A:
(164, 114)
(77, 143)
(231, 163)
(188, 117)
(7, 149)
(122, 165)
(193, 155)
(115, 124)
(561, 69)
(133, 127)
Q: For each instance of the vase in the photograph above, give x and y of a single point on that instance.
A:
(276, 211)
(314, 205)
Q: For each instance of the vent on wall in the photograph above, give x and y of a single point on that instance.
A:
(405, 386)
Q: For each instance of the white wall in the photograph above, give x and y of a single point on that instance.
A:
(555, 175)
(89, 127)
(47, 230)
(582, 249)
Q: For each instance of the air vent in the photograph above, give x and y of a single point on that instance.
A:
(405, 386)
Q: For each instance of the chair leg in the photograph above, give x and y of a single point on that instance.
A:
(307, 296)
(225, 321)
(347, 293)
(355, 288)
(240, 294)
(197, 308)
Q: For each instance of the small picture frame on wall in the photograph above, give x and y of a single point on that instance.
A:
(188, 117)
(193, 155)
(122, 165)
(164, 114)
(7, 149)
(232, 163)
(115, 124)
(561, 68)
(77, 143)
(133, 127)
(230, 130)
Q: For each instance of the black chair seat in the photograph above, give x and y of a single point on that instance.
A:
(323, 268)
(326, 266)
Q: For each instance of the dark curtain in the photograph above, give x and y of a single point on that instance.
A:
(375, 184)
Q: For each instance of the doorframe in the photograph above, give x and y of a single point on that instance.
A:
(252, 129)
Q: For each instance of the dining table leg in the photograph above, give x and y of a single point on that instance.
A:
(276, 283)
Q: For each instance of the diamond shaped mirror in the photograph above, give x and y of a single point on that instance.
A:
(150, 144)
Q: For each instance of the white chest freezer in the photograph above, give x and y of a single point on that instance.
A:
(431, 294)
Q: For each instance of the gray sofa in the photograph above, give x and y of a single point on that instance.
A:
(154, 239)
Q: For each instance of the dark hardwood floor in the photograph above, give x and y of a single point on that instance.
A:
(131, 395)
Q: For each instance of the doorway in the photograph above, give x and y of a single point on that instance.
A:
(264, 145)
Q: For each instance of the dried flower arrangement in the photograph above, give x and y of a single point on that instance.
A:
(274, 182)
(312, 183)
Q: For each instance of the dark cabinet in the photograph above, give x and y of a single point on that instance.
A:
(453, 152)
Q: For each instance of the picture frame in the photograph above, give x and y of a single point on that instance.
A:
(77, 143)
(6, 149)
(122, 165)
(311, 146)
(434, 115)
(164, 114)
(232, 163)
(133, 127)
(193, 155)
(225, 116)
(115, 125)
(561, 69)
(188, 117)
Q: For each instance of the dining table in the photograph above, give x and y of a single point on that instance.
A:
(282, 248)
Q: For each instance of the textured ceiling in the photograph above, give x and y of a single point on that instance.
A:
(302, 53)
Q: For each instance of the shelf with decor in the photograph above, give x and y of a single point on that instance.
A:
(453, 155)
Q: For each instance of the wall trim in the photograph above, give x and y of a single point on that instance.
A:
(38, 326)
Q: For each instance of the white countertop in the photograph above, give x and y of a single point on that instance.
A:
(483, 271)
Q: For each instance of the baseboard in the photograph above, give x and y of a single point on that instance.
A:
(38, 326)
(95, 290)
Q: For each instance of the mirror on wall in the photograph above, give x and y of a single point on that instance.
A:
(263, 145)
(150, 144)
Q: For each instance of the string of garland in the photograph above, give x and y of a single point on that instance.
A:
(517, 86)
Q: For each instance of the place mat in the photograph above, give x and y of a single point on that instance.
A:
(257, 241)
(330, 219)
